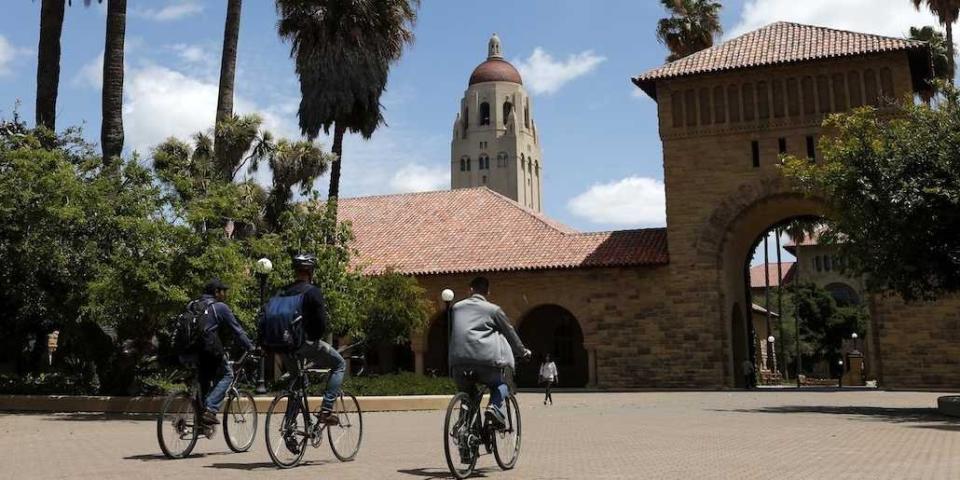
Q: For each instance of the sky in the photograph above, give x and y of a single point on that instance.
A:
(602, 162)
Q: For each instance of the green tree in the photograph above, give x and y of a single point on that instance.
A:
(892, 186)
(939, 56)
(691, 26)
(396, 307)
(111, 127)
(947, 12)
(823, 323)
(228, 72)
(343, 50)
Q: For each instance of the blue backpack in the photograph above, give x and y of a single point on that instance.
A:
(281, 325)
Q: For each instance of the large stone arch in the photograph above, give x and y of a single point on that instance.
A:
(554, 329)
(726, 240)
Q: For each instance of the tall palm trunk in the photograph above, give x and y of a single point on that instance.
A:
(228, 71)
(111, 130)
(337, 149)
(949, 31)
(48, 62)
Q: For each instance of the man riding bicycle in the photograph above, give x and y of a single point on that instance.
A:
(314, 349)
(483, 342)
(213, 365)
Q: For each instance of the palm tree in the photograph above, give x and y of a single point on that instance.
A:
(293, 164)
(343, 50)
(48, 61)
(939, 56)
(691, 26)
(947, 12)
(111, 128)
(228, 70)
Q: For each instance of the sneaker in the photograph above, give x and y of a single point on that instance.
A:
(210, 418)
(290, 440)
(497, 416)
(328, 418)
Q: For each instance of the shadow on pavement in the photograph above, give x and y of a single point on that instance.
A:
(437, 473)
(149, 457)
(99, 417)
(930, 416)
(260, 465)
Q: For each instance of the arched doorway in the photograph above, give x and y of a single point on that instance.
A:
(553, 329)
(435, 360)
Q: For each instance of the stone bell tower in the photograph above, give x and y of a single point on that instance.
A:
(495, 142)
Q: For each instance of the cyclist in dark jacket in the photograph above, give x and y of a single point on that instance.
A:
(314, 349)
(214, 366)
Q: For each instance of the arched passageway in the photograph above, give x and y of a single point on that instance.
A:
(553, 329)
(435, 358)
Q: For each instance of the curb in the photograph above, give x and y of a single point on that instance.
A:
(949, 405)
(75, 404)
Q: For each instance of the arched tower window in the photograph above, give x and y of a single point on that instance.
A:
(484, 162)
(507, 108)
(468, 164)
(466, 119)
(501, 159)
(526, 113)
(484, 113)
(463, 164)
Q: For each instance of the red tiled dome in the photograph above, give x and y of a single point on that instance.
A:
(495, 70)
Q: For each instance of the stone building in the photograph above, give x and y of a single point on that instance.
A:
(495, 142)
(665, 308)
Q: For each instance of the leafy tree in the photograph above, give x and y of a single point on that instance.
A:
(691, 26)
(939, 56)
(396, 307)
(823, 323)
(947, 11)
(343, 50)
(891, 182)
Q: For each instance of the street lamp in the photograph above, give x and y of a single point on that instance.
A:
(447, 296)
(840, 382)
(262, 270)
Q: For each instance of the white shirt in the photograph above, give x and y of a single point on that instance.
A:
(548, 371)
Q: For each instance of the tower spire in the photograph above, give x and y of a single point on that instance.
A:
(493, 47)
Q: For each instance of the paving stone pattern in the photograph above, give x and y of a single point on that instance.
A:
(734, 435)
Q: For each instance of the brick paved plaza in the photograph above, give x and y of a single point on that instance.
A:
(736, 435)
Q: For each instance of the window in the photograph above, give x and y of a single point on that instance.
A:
(823, 93)
(468, 164)
(809, 99)
(844, 294)
(705, 107)
(856, 93)
(819, 263)
(466, 121)
(870, 87)
(719, 106)
(826, 262)
(463, 164)
(839, 92)
(526, 113)
(778, 99)
(811, 149)
(507, 108)
(755, 148)
(676, 109)
(733, 99)
(484, 179)
(793, 97)
(748, 102)
(763, 101)
(886, 83)
(690, 107)
(484, 113)
(501, 159)
(782, 145)
(484, 162)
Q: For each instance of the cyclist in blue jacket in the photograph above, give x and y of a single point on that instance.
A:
(214, 366)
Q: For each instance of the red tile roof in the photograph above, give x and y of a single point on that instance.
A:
(478, 230)
(777, 43)
(758, 279)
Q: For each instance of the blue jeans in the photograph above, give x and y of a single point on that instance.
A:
(492, 377)
(223, 377)
(321, 354)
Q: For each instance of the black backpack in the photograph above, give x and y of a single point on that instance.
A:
(281, 323)
(189, 336)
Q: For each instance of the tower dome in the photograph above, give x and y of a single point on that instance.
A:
(495, 68)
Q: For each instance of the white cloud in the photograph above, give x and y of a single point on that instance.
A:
(91, 73)
(418, 178)
(8, 53)
(193, 53)
(172, 11)
(883, 17)
(543, 74)
(632, 201)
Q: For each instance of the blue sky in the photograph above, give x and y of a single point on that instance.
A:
(601, 151)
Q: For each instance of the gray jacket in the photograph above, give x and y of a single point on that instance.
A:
(482, 335)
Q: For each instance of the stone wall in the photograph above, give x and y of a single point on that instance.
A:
(919, 343)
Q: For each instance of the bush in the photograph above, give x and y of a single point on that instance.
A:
(404, 383)
(45, 384)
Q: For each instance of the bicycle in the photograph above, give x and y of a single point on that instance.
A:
(179, 424)
(290, 424)
(465, 429)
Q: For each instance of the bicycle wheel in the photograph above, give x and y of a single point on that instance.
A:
(177, 425)
(285, 430)
(240, 421)
(506, 442)
(460, 441)
(345, 438)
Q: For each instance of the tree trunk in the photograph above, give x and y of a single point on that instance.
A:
(228, 71)
(111, 130)
(48, 62)
(949, 28)
(334, 192)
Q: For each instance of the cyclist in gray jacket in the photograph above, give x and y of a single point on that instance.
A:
(483, 341)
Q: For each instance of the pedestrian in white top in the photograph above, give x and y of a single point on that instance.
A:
(548, 376)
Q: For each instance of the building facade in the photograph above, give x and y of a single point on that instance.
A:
(495, 142)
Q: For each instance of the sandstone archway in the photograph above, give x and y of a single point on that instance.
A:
(555, 330)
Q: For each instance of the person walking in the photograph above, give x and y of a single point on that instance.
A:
(749, 375)
(548, 376)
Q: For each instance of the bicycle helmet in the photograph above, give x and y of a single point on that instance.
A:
(303, 261)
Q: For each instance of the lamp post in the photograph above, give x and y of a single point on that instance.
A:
(262, 270)
(841, 373)
(447, 296)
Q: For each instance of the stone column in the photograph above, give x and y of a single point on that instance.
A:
(418, 344)
(592, 381)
